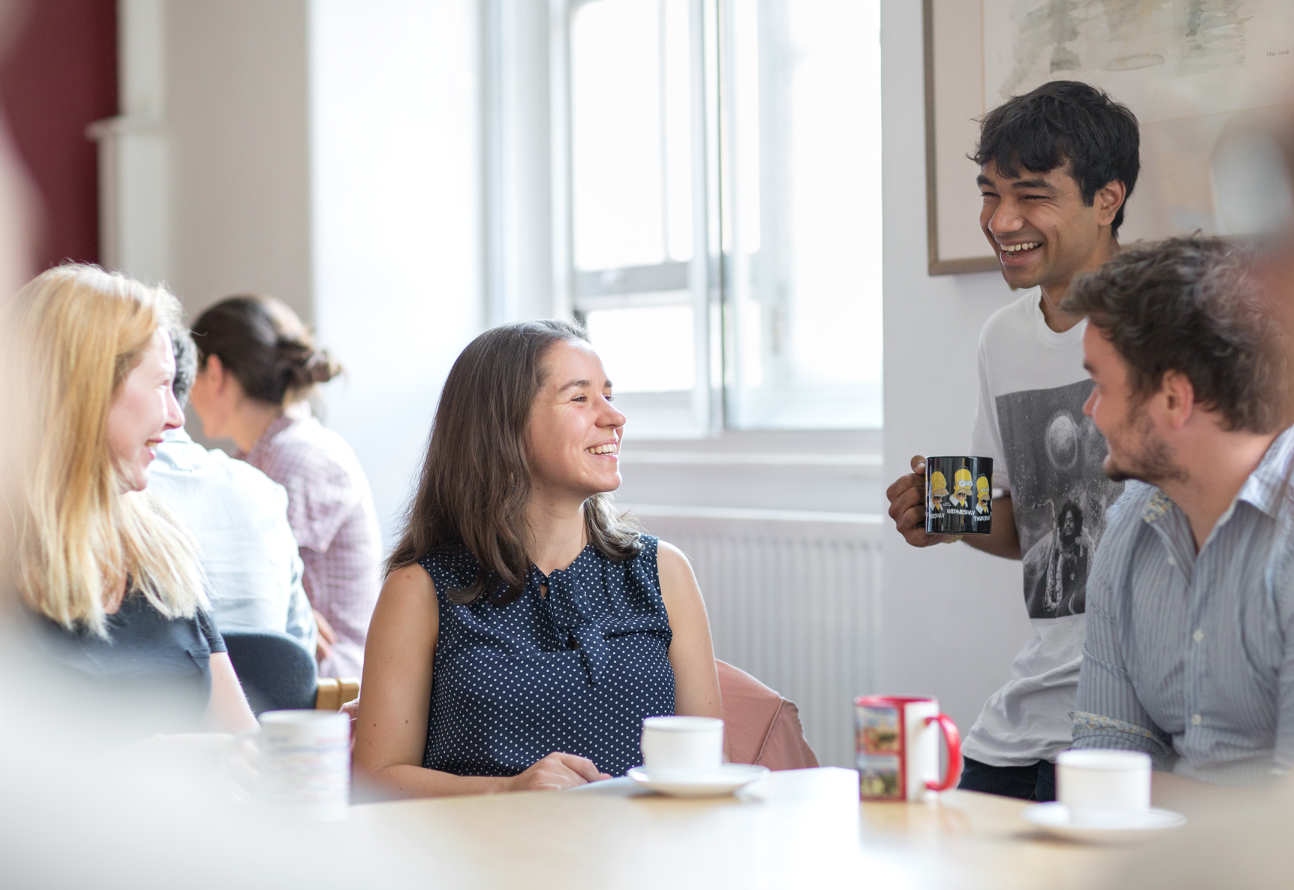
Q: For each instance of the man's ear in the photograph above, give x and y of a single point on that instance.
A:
(1178, 398)
(1108, 199)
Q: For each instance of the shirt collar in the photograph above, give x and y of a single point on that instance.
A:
(1267, 485)
(277, 425)
(1157, 507)
(1264, 488)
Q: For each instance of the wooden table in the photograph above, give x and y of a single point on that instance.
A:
(804, 828)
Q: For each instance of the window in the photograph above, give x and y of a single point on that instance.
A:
(800, 177)
(722, 208)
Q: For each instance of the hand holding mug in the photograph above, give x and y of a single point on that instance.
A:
(907, 497)
(959, 495)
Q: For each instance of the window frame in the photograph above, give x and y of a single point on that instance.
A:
(582, 291)
(699, 417)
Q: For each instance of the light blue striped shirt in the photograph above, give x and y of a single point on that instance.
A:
(238, 517)
(1189, 657)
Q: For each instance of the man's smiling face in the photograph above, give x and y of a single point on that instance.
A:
(1039, 226)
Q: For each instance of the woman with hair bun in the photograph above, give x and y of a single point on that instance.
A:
(257, 363)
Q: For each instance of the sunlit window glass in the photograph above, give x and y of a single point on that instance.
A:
(630, 148)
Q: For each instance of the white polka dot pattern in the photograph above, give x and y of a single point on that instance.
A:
(575, 670)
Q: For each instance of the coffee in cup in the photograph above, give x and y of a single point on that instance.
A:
(959, 495)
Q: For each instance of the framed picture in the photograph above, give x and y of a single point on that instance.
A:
(1190, 74)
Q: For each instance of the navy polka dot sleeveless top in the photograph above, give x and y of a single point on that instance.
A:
(575, 670)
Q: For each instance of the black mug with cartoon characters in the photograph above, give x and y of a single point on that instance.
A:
(959, 495)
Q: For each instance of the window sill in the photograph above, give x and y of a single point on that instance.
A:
(831, 471)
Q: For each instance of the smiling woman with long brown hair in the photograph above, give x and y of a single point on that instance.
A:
(524, 631)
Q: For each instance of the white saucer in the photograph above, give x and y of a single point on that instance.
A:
(709, 783)
(1110, 828)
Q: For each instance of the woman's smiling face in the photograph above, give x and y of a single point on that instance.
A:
(142, 409)
(573, 433)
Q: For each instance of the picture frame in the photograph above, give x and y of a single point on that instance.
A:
(1189, 95)
(954, 97)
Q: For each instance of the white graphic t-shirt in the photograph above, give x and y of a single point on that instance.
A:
(1047, 455)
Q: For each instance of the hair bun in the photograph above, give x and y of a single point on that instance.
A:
(319, 366)
(264, 344)
(301, 366)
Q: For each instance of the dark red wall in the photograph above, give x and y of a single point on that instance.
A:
(59, 75)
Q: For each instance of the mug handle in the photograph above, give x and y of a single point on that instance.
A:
(953, 739)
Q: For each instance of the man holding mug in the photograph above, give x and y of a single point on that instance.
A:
(1056, 167)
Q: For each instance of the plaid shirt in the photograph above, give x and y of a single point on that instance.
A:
(330, 509)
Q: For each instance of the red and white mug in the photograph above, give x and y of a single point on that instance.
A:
(896, 744)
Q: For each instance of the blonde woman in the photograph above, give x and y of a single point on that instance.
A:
(114, 584)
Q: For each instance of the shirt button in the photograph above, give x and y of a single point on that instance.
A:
(1172, 562)
(1195, 719)
(1198, 636)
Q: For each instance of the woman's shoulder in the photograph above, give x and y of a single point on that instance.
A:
(413, 579)
(647, 567)
(654, 553)
(139, 630)
(322, 476)
(639, 558)
(671, 562)
(303, 447)
(668, 554)
(449, 569)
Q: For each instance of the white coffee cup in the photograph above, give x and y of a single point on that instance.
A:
(1097, 785)
(305, 762)
(682, 744)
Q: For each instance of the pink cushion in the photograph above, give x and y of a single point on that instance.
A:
(759, 725)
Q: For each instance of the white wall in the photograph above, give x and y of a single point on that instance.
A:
(396, 195)
(325, 152)
(952, 618)
(235, 121)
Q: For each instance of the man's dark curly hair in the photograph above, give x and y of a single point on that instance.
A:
(1193, 305)
(1064, 121)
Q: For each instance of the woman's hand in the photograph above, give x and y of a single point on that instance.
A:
(556, 772)
(326, 637)
(351, 710)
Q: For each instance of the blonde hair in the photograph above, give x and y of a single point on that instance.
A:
(73, 334)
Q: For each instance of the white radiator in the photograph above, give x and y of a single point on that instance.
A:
(793, 600)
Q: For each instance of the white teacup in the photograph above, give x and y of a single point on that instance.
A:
(305, 762)
(1097, 785)
(682, 744)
